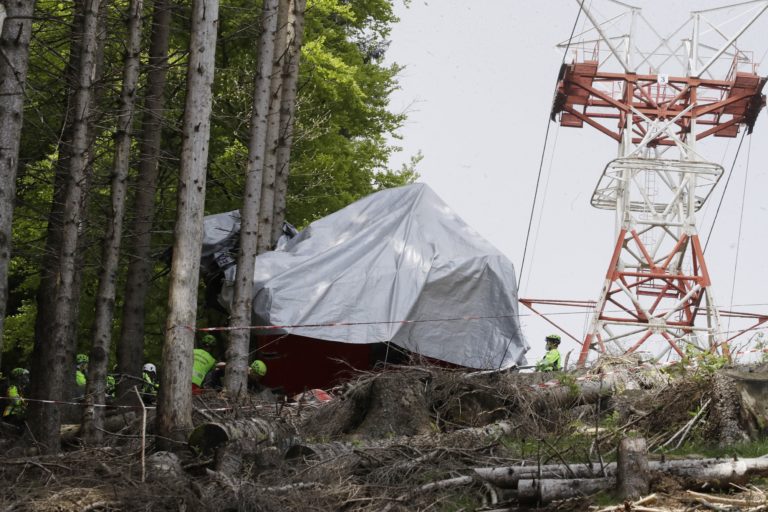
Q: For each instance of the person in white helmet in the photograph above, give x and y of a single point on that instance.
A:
(150, 384)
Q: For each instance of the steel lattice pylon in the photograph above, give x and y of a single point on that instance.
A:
(657, 290)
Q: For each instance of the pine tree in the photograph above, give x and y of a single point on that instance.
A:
(105, 299)
(174, 406)
(14, 43)
(237, 355)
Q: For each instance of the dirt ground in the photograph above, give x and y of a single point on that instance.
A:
(405, 439)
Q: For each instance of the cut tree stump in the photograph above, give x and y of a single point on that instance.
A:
(632, 475)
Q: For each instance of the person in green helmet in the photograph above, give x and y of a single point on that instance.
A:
(256, 371)
(16, 407)
(551, 361)
(203, 362)
(81, 371)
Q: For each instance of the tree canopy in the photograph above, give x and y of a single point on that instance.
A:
(344, 136)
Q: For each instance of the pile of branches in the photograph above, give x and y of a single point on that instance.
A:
(408, 438)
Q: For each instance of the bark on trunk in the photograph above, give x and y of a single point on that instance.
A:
(55, 340)
(287, 116)
(237, 354)
(267, 206)
(105, 299)
(130, 350)
(632, 469)
(14, 43)
(174, 404)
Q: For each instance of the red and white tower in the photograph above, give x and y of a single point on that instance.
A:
(658, 105)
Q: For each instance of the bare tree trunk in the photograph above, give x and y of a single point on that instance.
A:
(267, 206)
(14, 43)
(236, 373)
(54, 340)
(174, 406)
(130, 350)
(287, 116)
(105, 298)
(45, 300)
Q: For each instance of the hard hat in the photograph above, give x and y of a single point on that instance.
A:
(19, 372)
(149, 368)
(554, 338)
(209, 340)
(81, 359)
(259, 368)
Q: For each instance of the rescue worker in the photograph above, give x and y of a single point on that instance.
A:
(203, 362)
(17, 388)
(111, 387)
(256, 371)
(81, 371)
(551, 360)
(149, 385)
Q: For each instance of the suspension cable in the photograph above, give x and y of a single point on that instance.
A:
(538, 177)
(543, 155)
(725, 189)
(741, 222)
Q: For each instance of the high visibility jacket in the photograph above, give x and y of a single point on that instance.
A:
(150, 386)
(550, 362)
(202, 365)
(111, 386)
(15, 403)
(80, 379)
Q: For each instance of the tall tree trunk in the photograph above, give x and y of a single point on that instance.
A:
(55, 341)
(105, 298)
(14, 43)
(236, 373)
(130, 350)
(46, 301)
(174, 406)
(267, 206)
(287, 116)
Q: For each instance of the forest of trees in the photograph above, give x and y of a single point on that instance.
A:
(123, 123)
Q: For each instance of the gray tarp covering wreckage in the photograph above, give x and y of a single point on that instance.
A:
(399, 254)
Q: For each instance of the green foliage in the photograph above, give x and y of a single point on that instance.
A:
(611, 421)
(759, 342)
(704, 364)
(568, 380)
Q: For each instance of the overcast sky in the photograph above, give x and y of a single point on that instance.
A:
(477, 86)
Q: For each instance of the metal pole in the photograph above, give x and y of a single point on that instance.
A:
(731, 41)
(613, 49)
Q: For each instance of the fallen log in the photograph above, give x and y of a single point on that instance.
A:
(112, 424)
(249, 432)
(713, 471)
(508, 477)
(232, 441)
(548, 489)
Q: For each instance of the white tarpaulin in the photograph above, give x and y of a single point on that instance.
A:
(399, 266)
